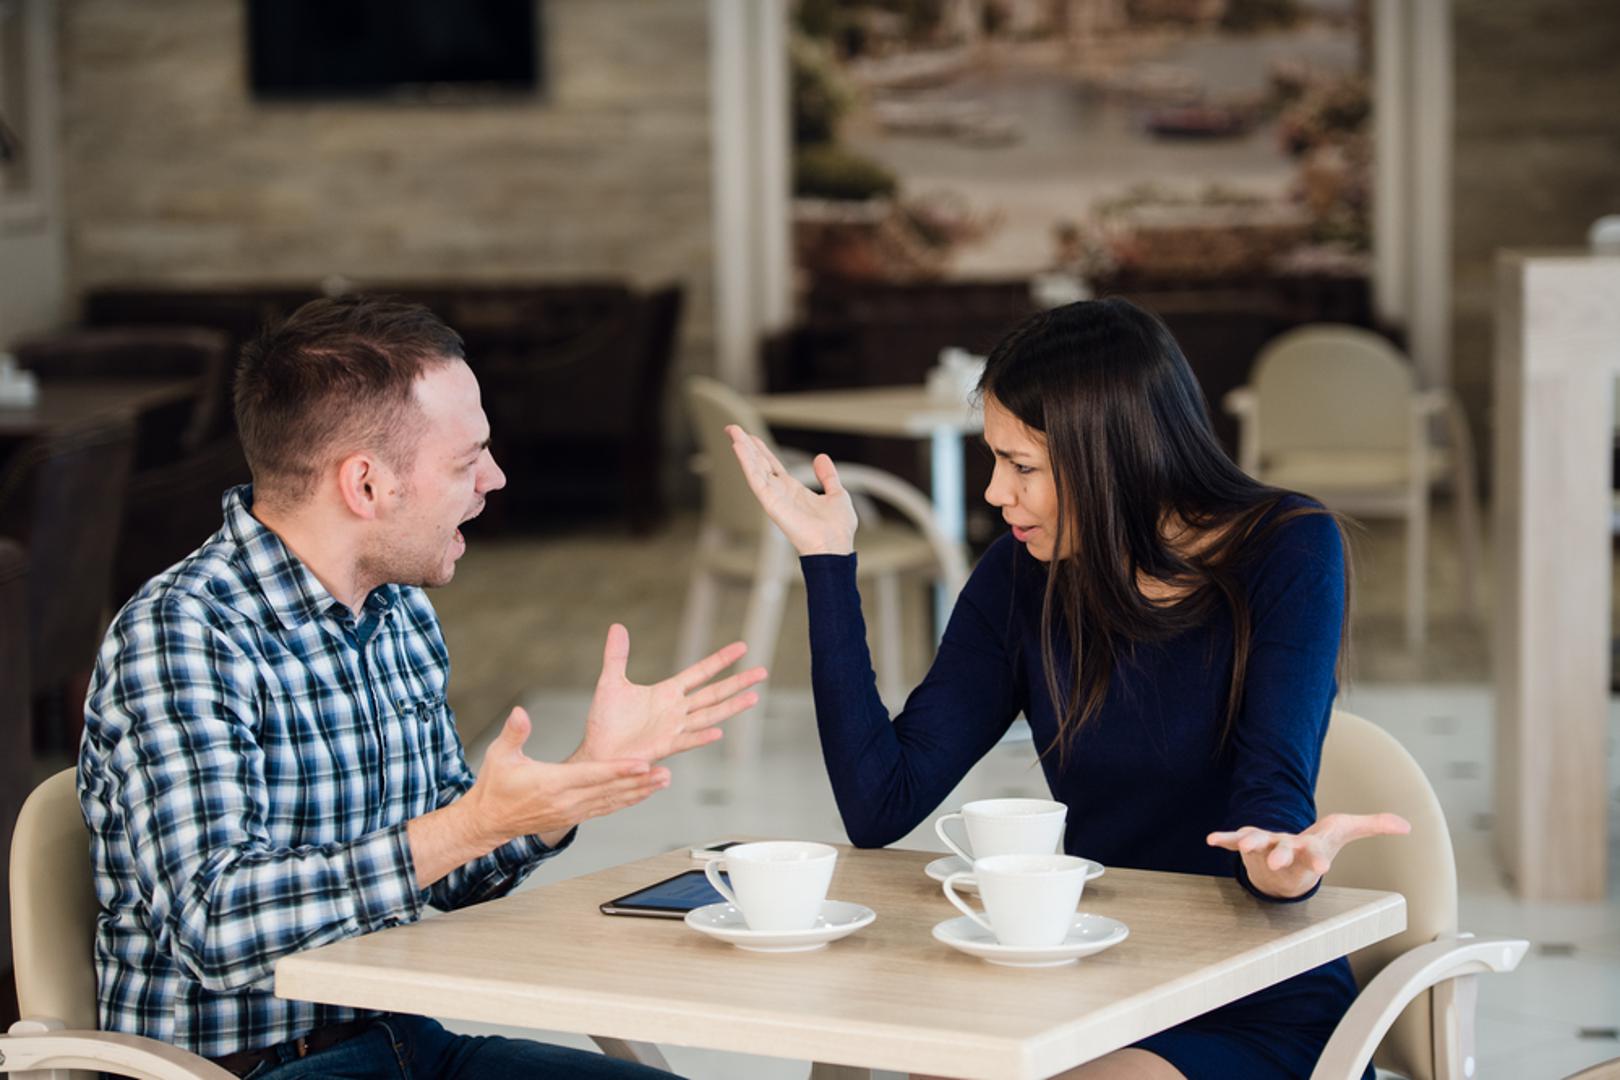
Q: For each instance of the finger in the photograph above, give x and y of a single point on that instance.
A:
(714, 714)
(619, 798)
(514, 732)
(755, 470)
(775, 463)
(1282, 855)
(581, 775)
(1340, 829)
(710, 666)
(725, 688)
(1231, 839)
(1257, 841)
(827, 473)
(615, 654)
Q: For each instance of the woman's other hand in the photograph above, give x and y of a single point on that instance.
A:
(815, 524)
(1286, 865)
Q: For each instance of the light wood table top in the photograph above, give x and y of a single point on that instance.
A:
(900, 411)
(888, 997)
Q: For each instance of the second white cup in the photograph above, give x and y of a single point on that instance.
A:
(1006, 827)
(778, 885)
(1029, 900)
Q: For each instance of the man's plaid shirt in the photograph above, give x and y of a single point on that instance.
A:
(252, 752)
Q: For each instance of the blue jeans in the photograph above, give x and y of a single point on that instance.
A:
(398, 1047)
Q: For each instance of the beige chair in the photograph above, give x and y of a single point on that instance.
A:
(53, 926)
(737, 543)
(1335, 412)
(1416, 1006)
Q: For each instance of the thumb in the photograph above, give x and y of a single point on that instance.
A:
(615, 654)
(827, 473)
(514, 733)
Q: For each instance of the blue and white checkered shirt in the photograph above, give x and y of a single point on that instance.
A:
(252, 752)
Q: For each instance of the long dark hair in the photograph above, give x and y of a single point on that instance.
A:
(1131, 447)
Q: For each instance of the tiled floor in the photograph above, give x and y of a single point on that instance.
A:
(525, 619)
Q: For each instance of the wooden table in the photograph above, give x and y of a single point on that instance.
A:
(888, 997)
(63, 402)
(904, 412)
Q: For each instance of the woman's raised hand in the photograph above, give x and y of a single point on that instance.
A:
(1286, 865)
(815, 524)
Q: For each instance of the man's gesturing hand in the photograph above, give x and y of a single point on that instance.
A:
(627, 720)
(515, 795)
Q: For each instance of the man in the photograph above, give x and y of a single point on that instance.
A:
(269, 762)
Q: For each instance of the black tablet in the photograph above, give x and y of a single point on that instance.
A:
(671, 898)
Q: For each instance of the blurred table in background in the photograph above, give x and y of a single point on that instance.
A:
(65, 402)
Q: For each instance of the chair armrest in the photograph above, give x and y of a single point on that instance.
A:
(642, 1053)
(42, 1045)
(886, 487)
(1240, 401)
(1404, 978)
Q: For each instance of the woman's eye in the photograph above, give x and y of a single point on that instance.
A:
(1023, 470)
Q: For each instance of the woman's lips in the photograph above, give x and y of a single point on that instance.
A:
(1022, 533)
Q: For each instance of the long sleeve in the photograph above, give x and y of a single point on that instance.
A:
(497, 873)
(887, 776)
(1297, 610)
(220, 898)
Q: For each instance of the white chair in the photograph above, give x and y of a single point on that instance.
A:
(1335, 412)
(53, 927)
(1415, 1012)
(737, 543)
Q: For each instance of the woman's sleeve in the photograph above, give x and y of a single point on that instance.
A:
(1297, 616)
(888, 776)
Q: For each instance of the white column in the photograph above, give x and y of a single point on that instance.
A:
(1391, 102)
(1557, 354)
(749, 114)
(1429, 216)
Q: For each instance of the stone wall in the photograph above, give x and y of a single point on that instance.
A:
(173, 174)
(1537, 151)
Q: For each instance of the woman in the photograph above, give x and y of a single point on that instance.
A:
(1169, 627)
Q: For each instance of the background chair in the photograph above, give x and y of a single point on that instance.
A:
(738, 543)
(16, 736)
(1416, 1006)
(62, 498)
(53, 927)
(1334, 412)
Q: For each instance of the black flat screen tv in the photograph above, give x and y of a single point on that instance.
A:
(409, 49)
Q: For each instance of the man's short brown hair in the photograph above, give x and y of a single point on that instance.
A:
(335, 377)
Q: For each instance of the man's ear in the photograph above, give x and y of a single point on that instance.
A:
(365, 484)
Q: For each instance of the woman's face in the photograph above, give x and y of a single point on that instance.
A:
(1021, 486)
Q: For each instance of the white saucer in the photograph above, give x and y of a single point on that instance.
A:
(1088, 934)
(837, 919)
(940, 869)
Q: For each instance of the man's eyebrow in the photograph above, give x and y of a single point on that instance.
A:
(476, 448)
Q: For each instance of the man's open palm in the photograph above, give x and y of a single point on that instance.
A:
(627, 720)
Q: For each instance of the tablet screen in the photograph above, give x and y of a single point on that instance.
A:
(672, 896)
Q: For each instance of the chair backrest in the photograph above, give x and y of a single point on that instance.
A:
(53, 906)
(727, 501)
(16, 735)
(63, 497)
(1365, 769)
(149, 352)
(1330, 387)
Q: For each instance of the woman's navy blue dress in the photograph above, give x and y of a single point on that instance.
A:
(1147, 778)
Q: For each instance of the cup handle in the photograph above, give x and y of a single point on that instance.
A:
(939, 827)
(961, 905)
(711, 870)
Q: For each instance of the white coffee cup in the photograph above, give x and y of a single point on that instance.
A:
(779, 884)
(1029, 900)
(1007, 827)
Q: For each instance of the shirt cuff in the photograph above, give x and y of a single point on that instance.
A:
(1241, 872)
(518, 855)
(382, 879)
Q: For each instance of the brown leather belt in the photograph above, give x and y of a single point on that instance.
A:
(313, 1042)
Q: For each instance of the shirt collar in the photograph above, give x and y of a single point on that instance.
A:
(290, 589)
